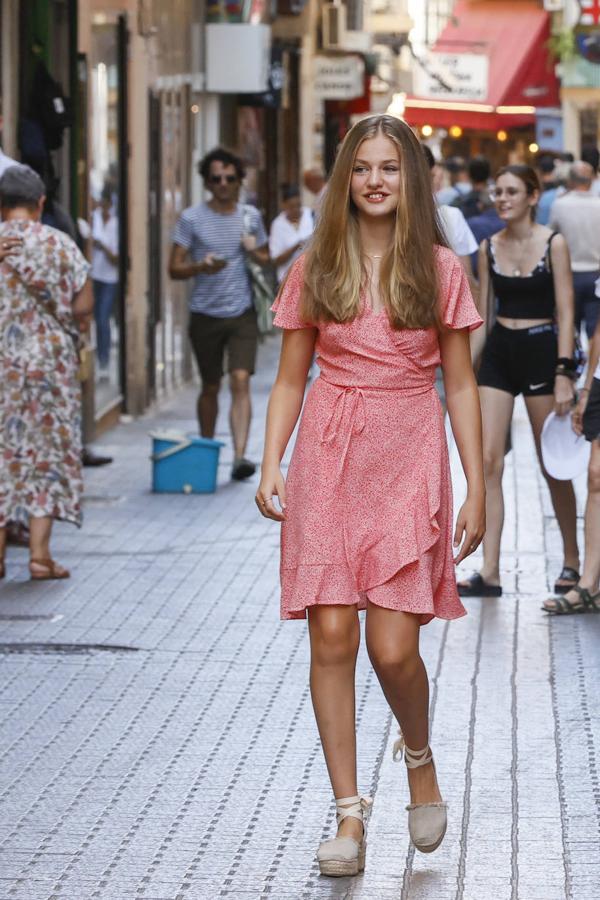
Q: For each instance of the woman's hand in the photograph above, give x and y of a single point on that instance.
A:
(577, 416)
(272, 484)
(470, 524)
(10, 245)
(564, 394)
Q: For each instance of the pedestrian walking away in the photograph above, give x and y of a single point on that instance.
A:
(211, 245)
(45, 295)
(366, 511)
(525, 270)
(585, 596)
(577, 216)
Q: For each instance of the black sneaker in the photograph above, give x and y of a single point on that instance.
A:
(89, 458)
(242, 468)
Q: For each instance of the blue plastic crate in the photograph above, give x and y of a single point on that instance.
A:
(184, 463)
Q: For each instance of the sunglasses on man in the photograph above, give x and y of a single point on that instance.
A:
(217, 179)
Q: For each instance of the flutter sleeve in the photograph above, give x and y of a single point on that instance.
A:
(458, 307)
(287, 302)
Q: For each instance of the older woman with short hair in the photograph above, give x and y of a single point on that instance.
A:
(45, 300)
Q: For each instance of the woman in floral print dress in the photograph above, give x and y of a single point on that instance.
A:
(45, 297)
(366, 509)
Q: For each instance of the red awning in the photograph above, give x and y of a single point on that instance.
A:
(521, 77)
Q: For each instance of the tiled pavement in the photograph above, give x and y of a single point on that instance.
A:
(157, 735)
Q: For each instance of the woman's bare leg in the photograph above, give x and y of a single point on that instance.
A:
(590, 574)
(40, 529)
(561, 492)
(496, 413)
(393, 646)
(334, 641)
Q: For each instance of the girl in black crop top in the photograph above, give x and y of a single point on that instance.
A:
(527, 351)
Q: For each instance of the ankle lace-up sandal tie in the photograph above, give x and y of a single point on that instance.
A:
(344, 855)
(426, 821)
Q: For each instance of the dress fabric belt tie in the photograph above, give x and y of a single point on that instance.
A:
(348, 417)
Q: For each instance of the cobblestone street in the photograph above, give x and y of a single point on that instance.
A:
(157, 733)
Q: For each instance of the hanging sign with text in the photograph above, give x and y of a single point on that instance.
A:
(339, 77)
(452, 76)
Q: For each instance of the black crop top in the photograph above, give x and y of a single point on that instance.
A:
(524, 296)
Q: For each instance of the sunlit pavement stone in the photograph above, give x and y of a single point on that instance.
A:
(158, 740)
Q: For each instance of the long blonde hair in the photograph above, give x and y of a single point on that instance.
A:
(334, 271)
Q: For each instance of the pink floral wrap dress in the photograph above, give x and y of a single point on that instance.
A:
(369, 495)
(40, 396)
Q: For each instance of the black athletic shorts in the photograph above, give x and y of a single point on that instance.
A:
(520, 361)
(591, 416)
(211, 337)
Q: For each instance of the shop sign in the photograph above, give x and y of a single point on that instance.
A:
(452, 76)
(588, 44)
(338, 77)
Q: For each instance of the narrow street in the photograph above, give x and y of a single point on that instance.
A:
(157, 734)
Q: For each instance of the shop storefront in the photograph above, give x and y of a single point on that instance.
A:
(108, 209)
(479, 88)
(580, 94)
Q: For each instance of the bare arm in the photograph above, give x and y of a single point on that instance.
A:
(584, 392)
(462, 399)
(113, 258)
(284, 408)
(481, 301)
(258, 254)
(83, 306)
(286, 254)
(564, 388)
(180, 268)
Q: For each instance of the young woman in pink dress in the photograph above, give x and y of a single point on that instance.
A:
(366, 511)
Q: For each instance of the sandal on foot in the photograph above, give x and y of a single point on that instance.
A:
(344, 855)
(475, 586)
(53, 570)
(562, 607)
(427, 822)
(571, 576)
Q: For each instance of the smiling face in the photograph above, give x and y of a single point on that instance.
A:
(511, 199)
(375, 183)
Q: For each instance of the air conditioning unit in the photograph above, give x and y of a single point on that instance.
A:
(335, 17)
(554, 5)
(337, 36)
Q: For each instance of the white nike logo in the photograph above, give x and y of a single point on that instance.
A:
(534, 387)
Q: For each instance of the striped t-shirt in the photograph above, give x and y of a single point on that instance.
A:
(201, 231)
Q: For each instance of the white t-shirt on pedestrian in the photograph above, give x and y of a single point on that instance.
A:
(460, 237)
(6, 162)
(284, 235)
(108, 234)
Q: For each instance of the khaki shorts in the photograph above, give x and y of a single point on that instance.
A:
(211, 337)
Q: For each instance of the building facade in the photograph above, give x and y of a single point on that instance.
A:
(148, 87)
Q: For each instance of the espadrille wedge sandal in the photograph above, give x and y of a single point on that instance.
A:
(426, 821)
(343, 855)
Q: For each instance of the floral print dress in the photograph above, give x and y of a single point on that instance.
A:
(40, 402)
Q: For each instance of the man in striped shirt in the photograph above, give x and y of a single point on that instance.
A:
(210, 244)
